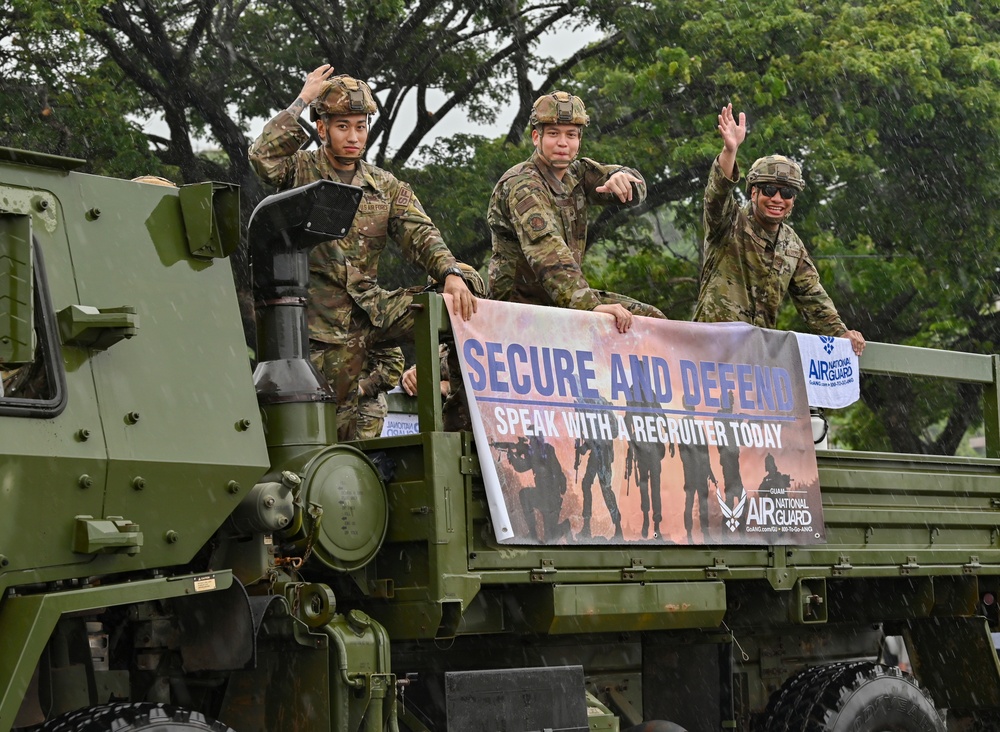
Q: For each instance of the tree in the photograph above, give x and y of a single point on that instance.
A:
(892, 108)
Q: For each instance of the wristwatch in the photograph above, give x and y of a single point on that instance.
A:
(453, 271)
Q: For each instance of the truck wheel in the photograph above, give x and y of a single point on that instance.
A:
(133, 718)
(793, 702)
(874, 698)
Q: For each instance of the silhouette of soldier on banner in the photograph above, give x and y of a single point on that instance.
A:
(600, 465)
(546, 495)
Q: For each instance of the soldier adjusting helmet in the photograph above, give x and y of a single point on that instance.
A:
(343, 94)
(558, 108)
(776, 169)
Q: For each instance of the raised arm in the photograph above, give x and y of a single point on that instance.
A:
(733, 134)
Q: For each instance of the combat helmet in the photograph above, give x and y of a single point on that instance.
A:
(776, 169)
(342, 94)
(558, 108)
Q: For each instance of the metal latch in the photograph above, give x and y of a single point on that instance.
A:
(911, 564)
(545, 573)
(111, 535)
(635, 572)
(98, 328)
(842, 566)
(469, 465)
(718, 567)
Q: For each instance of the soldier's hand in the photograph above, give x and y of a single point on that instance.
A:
(733, 132)
(623, 318)
(857, 341)
(620, 184)
(462, 297)
(314, 83)
(409, 381)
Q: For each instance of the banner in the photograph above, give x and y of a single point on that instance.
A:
(683, 433)
(830, 368)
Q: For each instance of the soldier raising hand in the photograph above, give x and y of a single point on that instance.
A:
(348, 313)
(752, 257)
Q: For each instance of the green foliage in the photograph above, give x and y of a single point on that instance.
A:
(892, 107)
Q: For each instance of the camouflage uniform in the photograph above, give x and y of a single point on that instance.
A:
(747, 270)
(348, 312)
(382, 372)
(539, 229)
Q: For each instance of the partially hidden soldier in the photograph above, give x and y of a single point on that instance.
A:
(752, 257)
(538, 216)
(545, 497)
(455, 410)
(381, 373)
(348, 312)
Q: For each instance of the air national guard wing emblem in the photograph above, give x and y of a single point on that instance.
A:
(732, 514)
(827, 342)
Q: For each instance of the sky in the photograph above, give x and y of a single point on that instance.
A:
(559, 44)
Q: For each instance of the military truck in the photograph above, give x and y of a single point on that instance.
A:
(185, 546)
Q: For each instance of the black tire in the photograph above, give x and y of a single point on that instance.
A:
(852, 697)
(143, 717)
(874, 698)
(794, 701)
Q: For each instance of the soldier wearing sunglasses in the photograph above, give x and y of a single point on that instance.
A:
(752, 257)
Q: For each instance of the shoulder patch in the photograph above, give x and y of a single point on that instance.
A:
(536, 222)
(526, 204)
(404, 197)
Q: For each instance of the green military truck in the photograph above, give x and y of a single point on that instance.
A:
(184, 546)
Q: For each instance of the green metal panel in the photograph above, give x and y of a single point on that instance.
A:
(57, 463)
(991, 412)
(595, 608)
(156, 426)
(432, 316)
(180, 414)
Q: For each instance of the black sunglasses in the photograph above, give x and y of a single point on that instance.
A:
(769, 190)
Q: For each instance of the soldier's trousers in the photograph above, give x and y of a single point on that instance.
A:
(341, 362)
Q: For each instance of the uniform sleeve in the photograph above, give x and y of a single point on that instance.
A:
(595, 174)
(545, 250)
(811, 300)
(721, 207)
(417, 236)
(272, 154)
